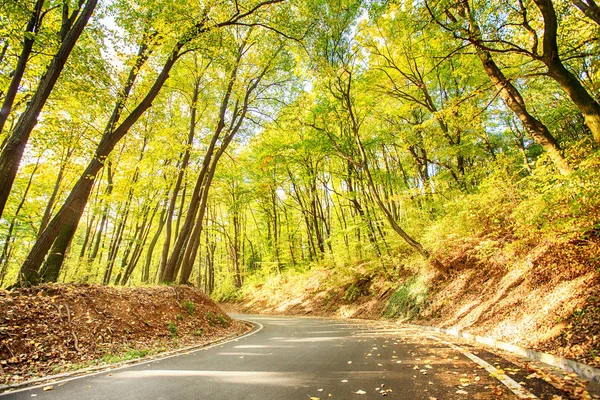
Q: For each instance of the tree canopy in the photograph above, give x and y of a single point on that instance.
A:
(202, 142)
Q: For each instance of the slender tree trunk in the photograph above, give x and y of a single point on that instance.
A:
(512, 98)
(150, 251)
(31, 30)
(588, 106)
(105, 212)
(77, 199)
(11, 155)
(589, 8)
(169, 272)
(181, 173)
(140, 242)
(6, 249)
(59, 178)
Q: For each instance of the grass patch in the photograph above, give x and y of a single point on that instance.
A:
(408, 299)
(190, 306)
(172, 327)
(131, 354)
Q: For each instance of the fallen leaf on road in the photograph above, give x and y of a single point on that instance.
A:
(344, 380)
(461, 392)
(48, 388)
(360, 392)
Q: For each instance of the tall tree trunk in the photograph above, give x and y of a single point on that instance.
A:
(150, 251)
(77, 199)
(11, 155)
(140, 241)
(104, 220)
(31, 30)
(588, 106)
(59, 178)
(512, 98)
(169, 272)
(9, 239)
(181, 173)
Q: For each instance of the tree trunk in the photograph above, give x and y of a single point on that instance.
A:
(589, 8)
(512, 98)
(557, 71)
(169, 272)
(11, 155)
(6, 249)
(150, 251)
(77, 199)
(51, 269)
(31, 30)
(181, 173)
(104, 220)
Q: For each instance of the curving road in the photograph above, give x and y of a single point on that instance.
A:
(289, 358)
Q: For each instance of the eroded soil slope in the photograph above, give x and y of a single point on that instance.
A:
(52, 328)
(544, 296)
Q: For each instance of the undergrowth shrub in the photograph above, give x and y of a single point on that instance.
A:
(408, 299)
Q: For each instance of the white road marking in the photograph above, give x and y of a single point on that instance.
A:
(109, 369)
(510, 383)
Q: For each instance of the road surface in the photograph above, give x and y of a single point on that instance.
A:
(288, 358)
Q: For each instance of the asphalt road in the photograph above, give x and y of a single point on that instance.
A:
(289, 358)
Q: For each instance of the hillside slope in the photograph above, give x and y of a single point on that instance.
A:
(542, 296)
(52, 328)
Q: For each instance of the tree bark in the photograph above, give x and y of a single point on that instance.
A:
(11, 155)
(589, 8)
(588, 106)
(77, 199)
(512, 98)
(181, 173)
(28, 39)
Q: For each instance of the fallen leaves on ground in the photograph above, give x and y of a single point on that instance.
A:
(52, 328)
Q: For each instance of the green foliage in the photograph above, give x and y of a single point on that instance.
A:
(227, 292)
(352, 293)
(210, 318)
(421, 126)
(215, 318)
(408, 299)
(190, 306)
(359, 287)
(131, 354)
(172, 327)
(198, 332)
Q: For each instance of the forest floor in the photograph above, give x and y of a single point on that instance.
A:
(544, 296)
(51, 329)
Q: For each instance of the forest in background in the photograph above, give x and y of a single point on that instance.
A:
(212, 142)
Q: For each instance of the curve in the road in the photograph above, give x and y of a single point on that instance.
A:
(309, 358)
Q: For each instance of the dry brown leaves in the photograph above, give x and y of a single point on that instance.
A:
(52, 328)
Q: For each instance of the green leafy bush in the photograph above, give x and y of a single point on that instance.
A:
(172, 327)
(190, 306)
(408, 299)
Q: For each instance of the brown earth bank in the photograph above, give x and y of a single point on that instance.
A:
(51, 329)
(544, 296)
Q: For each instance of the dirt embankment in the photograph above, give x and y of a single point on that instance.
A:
(544, 296)
(54, 328)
